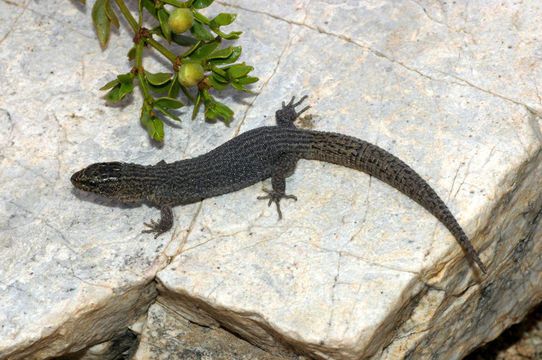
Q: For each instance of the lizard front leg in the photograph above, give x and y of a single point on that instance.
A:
(166, 222)
(285, 168)
(286, 115)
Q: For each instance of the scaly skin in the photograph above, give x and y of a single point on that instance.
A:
(269, 151)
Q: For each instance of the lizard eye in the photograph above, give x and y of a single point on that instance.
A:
(106, 171)
(115, 167)
(104, 176)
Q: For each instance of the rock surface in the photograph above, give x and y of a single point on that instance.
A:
(521, 341)
(168, 335)
(355, 269)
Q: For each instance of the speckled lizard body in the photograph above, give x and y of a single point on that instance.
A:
(269, 151)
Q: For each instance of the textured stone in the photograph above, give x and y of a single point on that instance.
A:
(522, 341)
(355, 269)
(365, 272)
(168, 335)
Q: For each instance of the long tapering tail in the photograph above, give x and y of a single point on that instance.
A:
(360, 155)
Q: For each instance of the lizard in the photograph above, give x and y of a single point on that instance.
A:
(253, 156)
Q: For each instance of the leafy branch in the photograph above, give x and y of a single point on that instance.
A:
(205, 64)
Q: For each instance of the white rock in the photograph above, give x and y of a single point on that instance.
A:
(355, 269)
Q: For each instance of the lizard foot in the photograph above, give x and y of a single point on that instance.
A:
(165, 223)
(153, 227)
(287, 114)
(275, 197)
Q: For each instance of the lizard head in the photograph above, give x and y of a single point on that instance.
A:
(106, 179)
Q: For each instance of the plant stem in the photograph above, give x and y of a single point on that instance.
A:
(155, 44)
(140, 11)
(140, 70)
(133, 24)
(142, 83)
(124, 10)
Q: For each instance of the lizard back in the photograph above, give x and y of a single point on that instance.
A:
(240, 162)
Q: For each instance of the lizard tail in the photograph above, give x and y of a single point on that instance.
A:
(363, 156)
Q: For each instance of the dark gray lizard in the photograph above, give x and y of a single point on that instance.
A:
(268, 151)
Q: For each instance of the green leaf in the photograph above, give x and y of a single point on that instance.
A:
(168, 103)
(124, 86)
(173, 91)
(223, 19)
(236, 52)
(215, 108)
(155, 126)
(145, 117)
(247, 80)
(211, 114)
(192, 49)
(111, 14)
(217, 84)
(156, 129)
(101, 21)
(239, 86)
(160, 89)
(197, 105)
(158, 78)
(126, 82)
(183, 40)
(223, 111)
(239, 70)
(220, 77)
(110, 84)
(200, 32)
(238, 83)
(204, 50)
(165, 111)
(163, 17)
(132, 53)
(114, 95)
(231, 36)
(219, 71)
(200, 4)
(221, 54)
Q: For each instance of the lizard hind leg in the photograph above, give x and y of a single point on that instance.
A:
(285, 168)
(286, 115)
(165, 223)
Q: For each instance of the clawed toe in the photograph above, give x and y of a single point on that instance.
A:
(275, 197)
(293, 105)
(153, 227)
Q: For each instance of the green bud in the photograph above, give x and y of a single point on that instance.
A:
(180, 20)
(190, 74)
